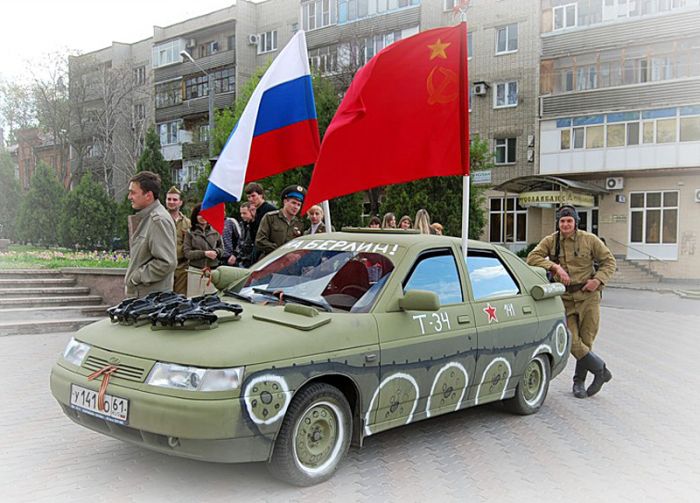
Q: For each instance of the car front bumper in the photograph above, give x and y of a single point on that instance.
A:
(208, 430)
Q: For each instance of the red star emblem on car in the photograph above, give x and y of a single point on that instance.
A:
(491, 313)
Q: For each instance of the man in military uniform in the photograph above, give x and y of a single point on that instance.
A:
(570, 254)
(152, 242)
(173, 201)
(278, 227)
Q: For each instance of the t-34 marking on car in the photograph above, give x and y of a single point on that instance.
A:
(326, 341)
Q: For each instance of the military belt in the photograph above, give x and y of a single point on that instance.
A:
(574, 287)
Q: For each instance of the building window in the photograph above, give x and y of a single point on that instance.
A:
(139, 112)
(168, 132)
(505, 150)
(140, 75)
(224, 80)
(565, 139)
(267, 42)
(317, 14)
(208, 49)
(203, 132)
(507, 38)
(586, 77)
(654, 217)
(506, 94)
(231, 42)
(507, 221)
(324, 59)
(352, 10)
(690, 128)
(564, 16)
(167, 53)
(168, 94)
(198, 85)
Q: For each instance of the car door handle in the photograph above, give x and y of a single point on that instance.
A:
(527, 309)
(370, 357)
(464, 319)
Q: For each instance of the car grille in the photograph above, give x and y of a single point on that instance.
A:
(123, 371)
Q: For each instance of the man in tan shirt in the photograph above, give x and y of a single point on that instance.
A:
(571, 255)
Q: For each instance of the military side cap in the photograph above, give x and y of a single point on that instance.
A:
(294, 191)
(174, 190)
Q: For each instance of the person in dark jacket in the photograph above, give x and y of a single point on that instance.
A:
(203, 245)
(246, 241)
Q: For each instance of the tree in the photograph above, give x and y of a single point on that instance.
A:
(16, 108)
(41, 209)
(88, 216)
(442, 196)
(10, 196)
(152, 160)
(52, 104)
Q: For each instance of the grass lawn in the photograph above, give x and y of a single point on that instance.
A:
(32, 257)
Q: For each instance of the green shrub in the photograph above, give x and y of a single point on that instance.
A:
(88, 216)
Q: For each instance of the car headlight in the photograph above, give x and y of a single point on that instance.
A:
(75, 352)
(171, 375)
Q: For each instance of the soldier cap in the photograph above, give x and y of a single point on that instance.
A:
(174, 190)
(294, 191)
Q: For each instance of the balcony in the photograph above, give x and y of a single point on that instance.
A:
(195, 150)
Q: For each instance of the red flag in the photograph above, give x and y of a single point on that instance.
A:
(404, 117)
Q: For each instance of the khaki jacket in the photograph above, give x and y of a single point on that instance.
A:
(152, 251)
(182, 227)
(275, 230)
(577, 255)
(199, 240)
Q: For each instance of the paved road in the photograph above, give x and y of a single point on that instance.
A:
(636, 441)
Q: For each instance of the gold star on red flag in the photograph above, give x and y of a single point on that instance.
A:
(437, 50)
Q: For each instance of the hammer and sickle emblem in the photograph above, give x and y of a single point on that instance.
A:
(114, 360)
(442, 86)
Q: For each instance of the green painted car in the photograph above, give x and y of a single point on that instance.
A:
(331, 338)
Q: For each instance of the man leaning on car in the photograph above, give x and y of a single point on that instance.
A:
(152, 242)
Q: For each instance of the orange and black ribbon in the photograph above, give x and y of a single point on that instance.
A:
(106, 372)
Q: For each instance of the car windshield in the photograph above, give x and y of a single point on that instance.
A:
(342, 280)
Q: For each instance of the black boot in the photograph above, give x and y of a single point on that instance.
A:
(596, 366)
(580, 380)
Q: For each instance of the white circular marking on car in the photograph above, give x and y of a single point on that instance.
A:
(459, 367)
(561, 338)
(483, 377)
(255, 397)
(543, 348)
(536, 399)
(398, 375)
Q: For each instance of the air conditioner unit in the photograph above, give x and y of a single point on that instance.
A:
(191, 43)
(697, 195)
(253, 39)
(480, 88)
(614, 183)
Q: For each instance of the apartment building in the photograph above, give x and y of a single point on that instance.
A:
(620, 114)
(503, 46)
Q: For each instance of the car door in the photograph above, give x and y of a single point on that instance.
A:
(506, 324)
(427, 357)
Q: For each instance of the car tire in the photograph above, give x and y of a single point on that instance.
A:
(532, 388)
(314, 437)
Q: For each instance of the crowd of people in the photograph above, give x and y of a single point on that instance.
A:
(259, 230)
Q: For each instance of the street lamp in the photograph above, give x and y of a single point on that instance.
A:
(186, 55)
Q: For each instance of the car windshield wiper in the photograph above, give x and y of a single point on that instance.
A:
(231, 293)
(280, 295)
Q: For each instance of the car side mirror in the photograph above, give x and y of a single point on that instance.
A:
(419, 300)
(547, 290)
(225, 277)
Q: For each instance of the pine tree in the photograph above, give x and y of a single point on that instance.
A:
(10, 196)
(41, 209)
(152, 160)
(88, 216)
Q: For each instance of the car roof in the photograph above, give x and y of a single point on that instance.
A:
(394, 236)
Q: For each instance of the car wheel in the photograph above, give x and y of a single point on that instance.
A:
(532, 388)
(314, 437)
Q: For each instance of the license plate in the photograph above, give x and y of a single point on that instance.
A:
(115, 409)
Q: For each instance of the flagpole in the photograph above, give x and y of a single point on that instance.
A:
(465, 215)
(326, 215)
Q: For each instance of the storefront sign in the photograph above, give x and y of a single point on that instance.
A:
(547, 198)
(481, 177)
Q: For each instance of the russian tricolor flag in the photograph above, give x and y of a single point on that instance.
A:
(277, 131)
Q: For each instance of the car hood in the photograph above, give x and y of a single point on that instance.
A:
(261, 334)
